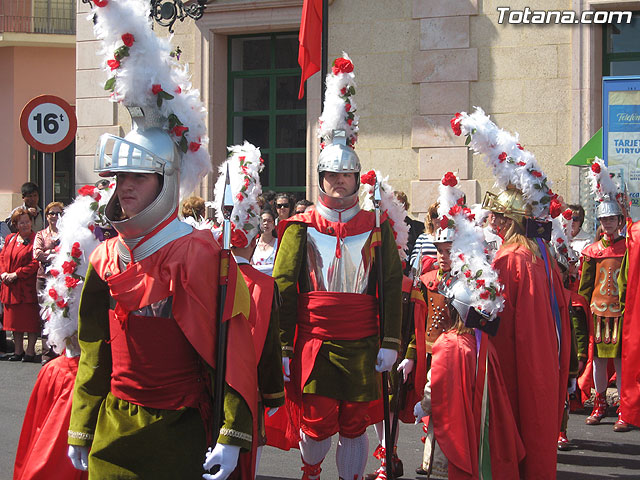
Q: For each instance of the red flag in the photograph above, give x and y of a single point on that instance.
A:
(310, 39)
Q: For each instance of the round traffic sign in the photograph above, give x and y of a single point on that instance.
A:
(48, 123)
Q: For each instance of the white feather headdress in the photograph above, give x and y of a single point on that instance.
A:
(61, 296)
(510, 162)
(469, 254)
(602, 185)
(244, 165)
(144, 72)
(339, 109)
(390, 205)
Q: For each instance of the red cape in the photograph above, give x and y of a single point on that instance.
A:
(527, 345)
(42, 448)
(630, 387)
(456, 421)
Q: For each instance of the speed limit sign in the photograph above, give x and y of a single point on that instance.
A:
(48, 123)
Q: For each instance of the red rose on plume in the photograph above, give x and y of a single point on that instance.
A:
(239, 197)
(76, 252)
(444, 222)
(502, 157)
(101, 3)
(178, 90)
(156, 89)
(69, 267)
(179, 130)
(480, 283)
(369, 178)
(520, 146)
(71, 282)
(555, 208)
(61, 303)
(461, 257)
(54, 273)
(194, 147)
(128, 39)
(567, 214)
(53, 294)
(347, 107)
(449, 179)
(484, 294)
(238, 238)
(113, 63)
(536, 174)
(460, 201)
(342, 65)
(595, 168)
(455, 124)
(467, 273)
(455, 210)
(87, 190)
(522, 164)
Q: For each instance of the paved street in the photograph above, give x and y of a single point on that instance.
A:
(598, 452)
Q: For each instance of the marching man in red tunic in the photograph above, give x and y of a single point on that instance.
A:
(149, 310)
(326, 275)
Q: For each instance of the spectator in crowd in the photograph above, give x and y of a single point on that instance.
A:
(425, 240)
(265, 253)
(302, 206)
(269, 198)
(491, 229)
(283, 206)
(194, 207)
(579, 238)
(416, 228)
(18, 270)
(31, 199)
(43, 250)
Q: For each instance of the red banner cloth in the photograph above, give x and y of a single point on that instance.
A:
(630, 387)
(310, 39)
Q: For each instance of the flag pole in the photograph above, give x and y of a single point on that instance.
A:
(325, 41)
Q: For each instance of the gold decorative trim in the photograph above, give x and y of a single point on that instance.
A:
(273, 395)
(80, 435)
(227, 432)
(391, 340)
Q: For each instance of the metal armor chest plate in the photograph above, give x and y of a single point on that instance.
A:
(347, 274)
(604, 300)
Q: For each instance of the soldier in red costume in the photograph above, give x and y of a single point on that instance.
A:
(601, 266)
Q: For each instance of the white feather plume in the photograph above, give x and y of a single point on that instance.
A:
(149, 62)
(390, 205)
(61, 300)
(602, 185)
(244, 164)
(338, 112)
(469, 254)
(509, 162)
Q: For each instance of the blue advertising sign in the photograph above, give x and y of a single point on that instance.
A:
(621, 134)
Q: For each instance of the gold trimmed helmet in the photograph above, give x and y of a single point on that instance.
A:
(509, 203)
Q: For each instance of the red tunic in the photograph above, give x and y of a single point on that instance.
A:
(42, 448)
(527, 345)
(630, 387)
(455, 417)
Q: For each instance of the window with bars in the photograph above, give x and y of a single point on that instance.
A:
(263, 106)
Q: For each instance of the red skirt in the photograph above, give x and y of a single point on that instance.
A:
(22, 317)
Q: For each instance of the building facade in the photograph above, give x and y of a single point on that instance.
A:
(418, 62)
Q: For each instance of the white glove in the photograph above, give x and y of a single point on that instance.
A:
(286, 368)
(79, 456)
(224, 455)
(385, 360)
(272, 411)
(418, 412)
(405, 367)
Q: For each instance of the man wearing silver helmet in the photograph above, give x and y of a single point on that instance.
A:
(142, 398)
(601, 265)
(326, 275)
